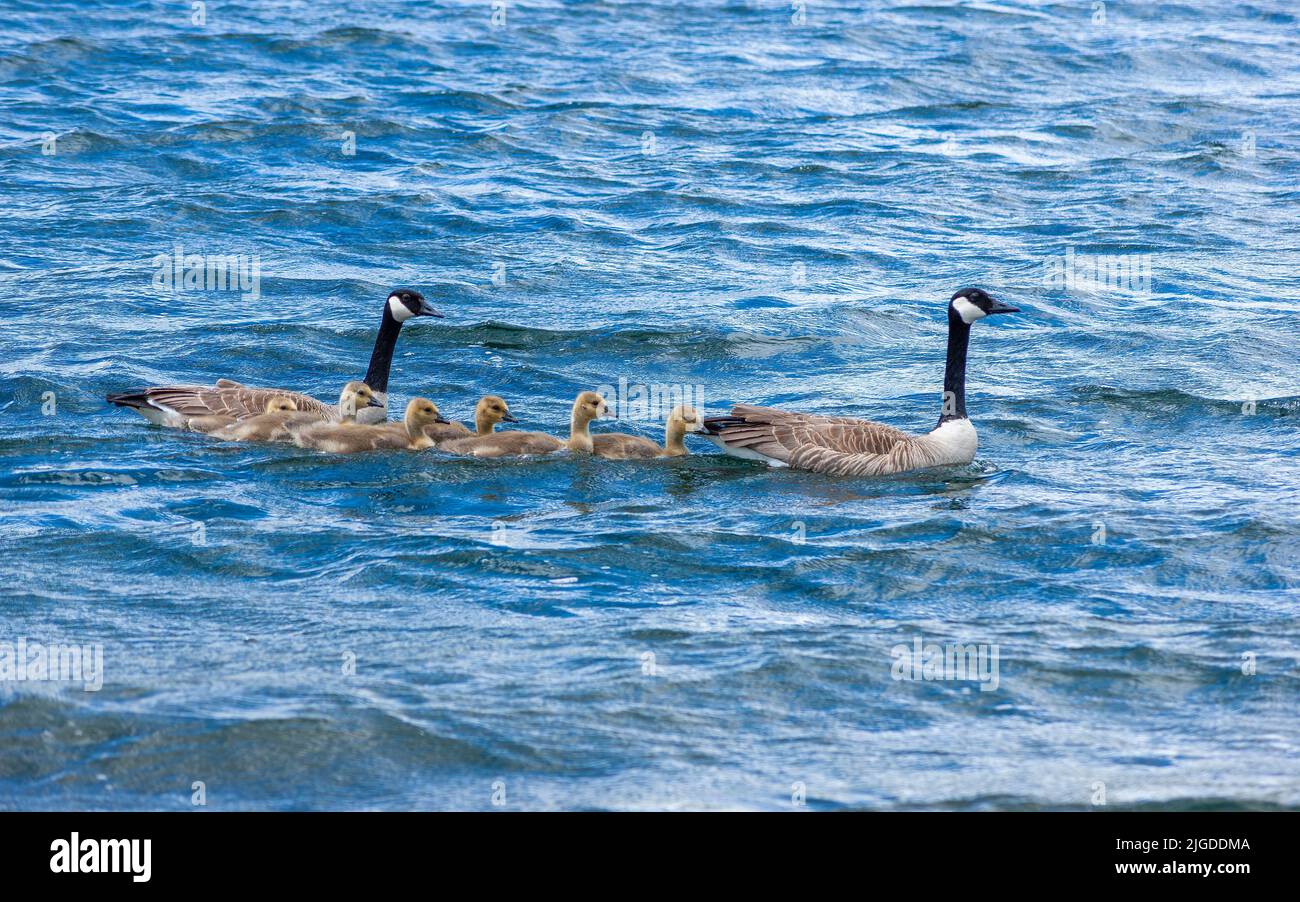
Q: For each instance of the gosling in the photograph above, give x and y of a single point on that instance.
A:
(490, 411)
(351, 438)
(260, 427)
(620, 446)
(212, 424)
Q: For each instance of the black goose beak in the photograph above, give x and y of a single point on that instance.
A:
(510, 419)
(426, 309)
(999, 307)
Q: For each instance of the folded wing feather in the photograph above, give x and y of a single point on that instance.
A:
(834, 445)
(229, 399)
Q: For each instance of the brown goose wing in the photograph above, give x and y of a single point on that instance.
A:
(773, 415)
(227, 399)
(810, 442)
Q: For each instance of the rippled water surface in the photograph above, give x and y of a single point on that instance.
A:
(701, 193)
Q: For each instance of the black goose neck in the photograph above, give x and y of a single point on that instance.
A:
(954, 373)
(381, 358)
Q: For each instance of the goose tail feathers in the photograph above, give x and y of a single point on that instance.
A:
(715, 425)
(133, 399)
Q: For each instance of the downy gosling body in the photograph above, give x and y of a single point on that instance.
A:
(351, 438)
(260, 427)
(620, 446)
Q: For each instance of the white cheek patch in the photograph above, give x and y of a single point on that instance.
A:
(400, 311)
(967, 311)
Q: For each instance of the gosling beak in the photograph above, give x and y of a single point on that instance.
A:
(374, 402)
(508, 418)
(440, 419)
(999, 307)
(426, 309)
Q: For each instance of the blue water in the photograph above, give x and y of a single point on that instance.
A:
(707, 193)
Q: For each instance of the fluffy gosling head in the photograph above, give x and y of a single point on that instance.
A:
(685, 415)
(493, 410)
(590, 406)
(281, 405)
(355, 396)
(422, 412)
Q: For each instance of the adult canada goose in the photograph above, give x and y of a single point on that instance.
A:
(844, 446)
(177, 405)
(620, 446)
(350, 438)
(586, 408)
(489, 411)
(259, 428)
(355, 398)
